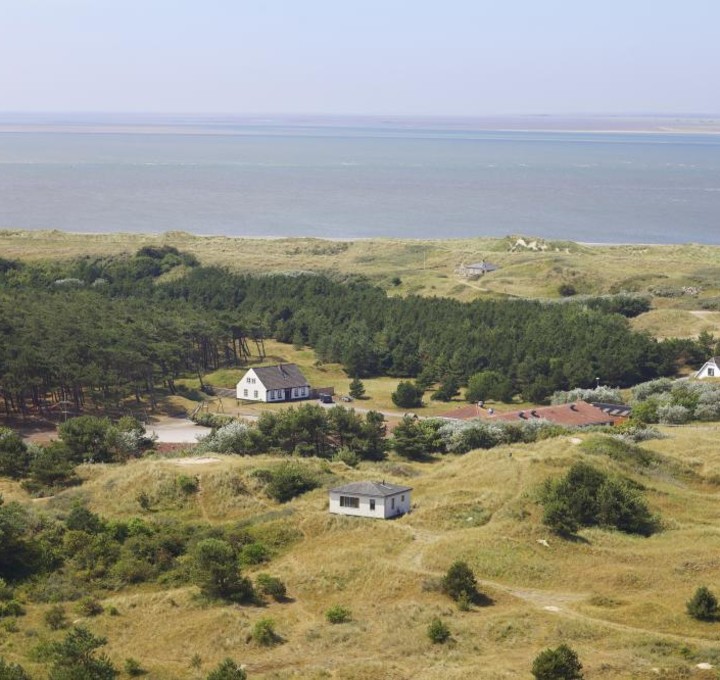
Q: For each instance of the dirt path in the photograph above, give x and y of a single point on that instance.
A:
(555, 603)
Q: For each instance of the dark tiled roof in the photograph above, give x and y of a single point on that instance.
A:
(380, 489)
(280, 377)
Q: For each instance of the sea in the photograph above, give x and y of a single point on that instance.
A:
(353, 178)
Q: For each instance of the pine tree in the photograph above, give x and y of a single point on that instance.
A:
(357, 389)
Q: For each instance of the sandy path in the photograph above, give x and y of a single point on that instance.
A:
(176, 430)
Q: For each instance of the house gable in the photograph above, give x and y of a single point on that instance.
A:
(284, 382)
(710, 369)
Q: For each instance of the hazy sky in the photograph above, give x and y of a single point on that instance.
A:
(452, 57)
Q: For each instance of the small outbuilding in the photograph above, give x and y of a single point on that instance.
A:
(477, 269)
(370, 499)
(284, 382)
(710, 369)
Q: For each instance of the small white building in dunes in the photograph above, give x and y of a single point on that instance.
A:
(370, 499)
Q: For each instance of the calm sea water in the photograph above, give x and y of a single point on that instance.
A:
(353, 182)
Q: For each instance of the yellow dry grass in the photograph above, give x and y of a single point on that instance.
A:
(424, 267)
(618, 600)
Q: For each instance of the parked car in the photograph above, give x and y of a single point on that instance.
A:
(346, 397)
(325, 399)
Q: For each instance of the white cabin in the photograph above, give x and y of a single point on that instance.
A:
(710, 369)
(284, 382)
(370, 499)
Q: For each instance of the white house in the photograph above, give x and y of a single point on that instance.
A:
(710, 369)
(273, 383)
(370, 499)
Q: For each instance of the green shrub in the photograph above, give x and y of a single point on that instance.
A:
(89, 606)
(438, 632)
(347, 456)
(272, 586)
(703, 605)
(264, 634)
(75, 657)
(460, 584)
(561, 663)
(11, 608)
(588, 497)
(215, 569)
(253, 553)
(56, 618)
(188, 485)
(12, 671)
(227, 670)
(338, 614)
(357, 389)
(289, 480)
(407, 395)
(133, 668)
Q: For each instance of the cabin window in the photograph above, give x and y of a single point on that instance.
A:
(711, 372)
(255, 394)
(349, 502)
(392, 503)
(245, 393)
(372, 504)
(402, 499)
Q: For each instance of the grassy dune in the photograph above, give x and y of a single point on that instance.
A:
(618, 599)
(529, 268)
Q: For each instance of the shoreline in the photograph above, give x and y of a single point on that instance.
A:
(6, 232)
(307, 130)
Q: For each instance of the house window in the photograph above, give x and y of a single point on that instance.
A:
(402, 499)
(349, 502)
(372, 504)
(392, 503)
(255, 394)
(245, 393)
(711, 372)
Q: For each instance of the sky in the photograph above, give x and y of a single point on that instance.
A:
(375, 57)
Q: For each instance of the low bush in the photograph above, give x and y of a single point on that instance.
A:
(587, 497)
(56, 618)
(188, 485)
(438, 632)
(11, 608)
(271, 586)
(288, 480)
(561, 663)
(89, 606)
(703, 605)
(227, 670)
(338, 614)
(264, 634)
(12, 671)
(133, 668)
(460, 584)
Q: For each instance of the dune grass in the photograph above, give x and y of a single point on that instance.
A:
(533, 270)
(619, 600)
